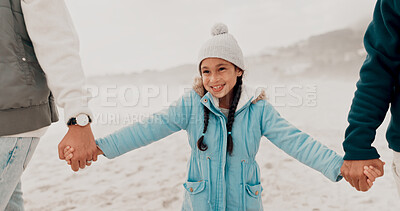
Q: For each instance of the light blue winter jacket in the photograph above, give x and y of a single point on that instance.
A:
(214, 179)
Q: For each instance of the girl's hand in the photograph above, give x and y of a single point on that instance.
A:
(68, 154)
(371, 173)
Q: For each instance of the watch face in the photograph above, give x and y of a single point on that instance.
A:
(82, 120)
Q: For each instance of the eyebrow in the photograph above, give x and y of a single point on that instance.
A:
(218, 65)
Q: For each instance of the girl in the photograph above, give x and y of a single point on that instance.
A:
(225, 121)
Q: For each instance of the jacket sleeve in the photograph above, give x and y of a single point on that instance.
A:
(300, 145)
(56, 46)
(156, 127)
(377, 80)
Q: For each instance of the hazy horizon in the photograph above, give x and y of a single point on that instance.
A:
(132, 36)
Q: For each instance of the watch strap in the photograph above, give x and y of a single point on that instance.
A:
(72, 121)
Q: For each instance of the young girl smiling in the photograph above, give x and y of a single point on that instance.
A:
(225, 121)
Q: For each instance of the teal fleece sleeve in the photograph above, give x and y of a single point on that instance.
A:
(377, 80)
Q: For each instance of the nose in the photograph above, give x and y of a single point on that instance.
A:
(214, 77)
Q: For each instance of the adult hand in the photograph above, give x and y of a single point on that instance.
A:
(82, 140)
(353, 172)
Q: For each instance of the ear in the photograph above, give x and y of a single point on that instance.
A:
(239, 72)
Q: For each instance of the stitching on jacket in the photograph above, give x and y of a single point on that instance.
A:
(30, 107)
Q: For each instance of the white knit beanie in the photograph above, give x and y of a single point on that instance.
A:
(222, 45)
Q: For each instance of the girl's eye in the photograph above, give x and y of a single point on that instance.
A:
(222, 68)
(205, 71)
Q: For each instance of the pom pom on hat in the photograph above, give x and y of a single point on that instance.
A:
(218, 29)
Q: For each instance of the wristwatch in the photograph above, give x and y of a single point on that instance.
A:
(81, 120)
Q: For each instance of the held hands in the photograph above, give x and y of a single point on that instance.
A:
(362, 173)
(82, 140)
(69, 154)
(371, 173)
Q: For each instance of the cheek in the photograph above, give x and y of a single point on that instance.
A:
(205, 82)
(231, 83)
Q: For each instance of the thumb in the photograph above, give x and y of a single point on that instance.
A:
(61, 151)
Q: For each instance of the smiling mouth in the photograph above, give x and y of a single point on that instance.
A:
(217, 88)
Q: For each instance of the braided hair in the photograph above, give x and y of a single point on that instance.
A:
(237, 89)
(200, 144)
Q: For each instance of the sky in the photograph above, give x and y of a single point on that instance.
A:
(125, 36)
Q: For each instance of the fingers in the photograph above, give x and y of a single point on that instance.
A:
(355, 183)
(363, 185)
(370, 183)
(74, 165)
(346, 176)
(68, 154)
(343, 171)
(66, 149)
(373, 171)
(370, 174)
(376, 171)
(77, 163)
(350, 181)
(350, 176)
(96, 153)
(379, 167)
(82, 164)
(88, 163)
(94, 158)
(60, 151)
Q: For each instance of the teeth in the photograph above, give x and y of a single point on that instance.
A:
(216, 87)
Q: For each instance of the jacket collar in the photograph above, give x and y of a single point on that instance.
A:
(248, 95)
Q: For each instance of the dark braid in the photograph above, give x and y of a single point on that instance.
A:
(200, 144)
(237, 90)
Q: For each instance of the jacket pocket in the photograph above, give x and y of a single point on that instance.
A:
(8, 157)
(252, 197)
(196, 197)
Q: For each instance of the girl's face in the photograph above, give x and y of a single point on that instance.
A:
(219, 77)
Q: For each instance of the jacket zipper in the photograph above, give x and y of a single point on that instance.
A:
(222, 118)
